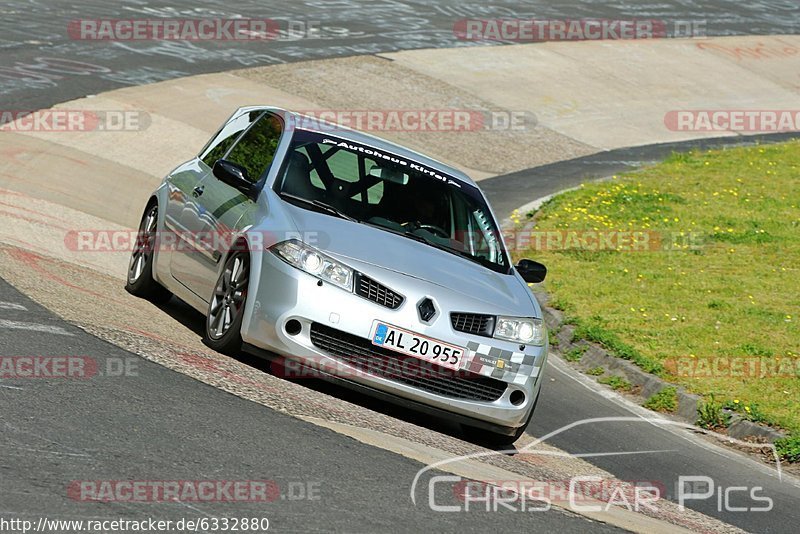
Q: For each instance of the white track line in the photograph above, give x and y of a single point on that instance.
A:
(12, 306)
(568, 372)
(35, 327)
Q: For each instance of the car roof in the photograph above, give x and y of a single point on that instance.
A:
(307, 122)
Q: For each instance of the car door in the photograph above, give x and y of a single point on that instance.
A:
(222, 206)
(186, 213)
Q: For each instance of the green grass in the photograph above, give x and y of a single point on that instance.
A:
(751, 412)
(711, 415)
(616, 383)
(720, 278)
(789, 448)
(593, 330)
(665, 400)
(596, 371)
(575, 355)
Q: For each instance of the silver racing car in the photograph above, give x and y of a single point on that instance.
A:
(365, 261)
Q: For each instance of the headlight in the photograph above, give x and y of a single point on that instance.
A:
(525, 330)
(315, 263)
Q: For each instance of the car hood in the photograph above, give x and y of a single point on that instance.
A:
(365, 244)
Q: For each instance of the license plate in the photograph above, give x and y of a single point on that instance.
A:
(411, 344)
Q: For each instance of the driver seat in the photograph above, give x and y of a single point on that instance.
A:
(297, 180)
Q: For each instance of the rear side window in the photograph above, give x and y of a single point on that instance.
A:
(256, 148)
(228, 135)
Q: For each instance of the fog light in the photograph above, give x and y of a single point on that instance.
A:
(293, 327)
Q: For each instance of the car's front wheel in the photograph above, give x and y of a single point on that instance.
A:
(226, 309)
(140, 281)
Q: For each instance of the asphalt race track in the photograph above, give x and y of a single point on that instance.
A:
(162, 425)
(156, 424)
(41, 66)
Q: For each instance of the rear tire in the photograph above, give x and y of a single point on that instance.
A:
(226, 308)
(140, 281)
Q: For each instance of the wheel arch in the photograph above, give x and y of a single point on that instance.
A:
(160, 260)
(244, 243)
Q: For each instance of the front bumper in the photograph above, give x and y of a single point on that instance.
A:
(280, 294)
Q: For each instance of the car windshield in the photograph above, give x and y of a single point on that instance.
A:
(359, 182)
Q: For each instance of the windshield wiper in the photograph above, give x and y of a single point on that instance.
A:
(421, 239)
(416, 237)
(321, 205)
(476, 259)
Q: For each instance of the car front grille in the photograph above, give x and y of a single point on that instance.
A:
(370, 289)
(378, 361)
(473, 323)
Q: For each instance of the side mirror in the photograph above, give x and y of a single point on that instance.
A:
(234, 175)
(531, 271)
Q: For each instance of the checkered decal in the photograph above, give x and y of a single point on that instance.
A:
(505, 365)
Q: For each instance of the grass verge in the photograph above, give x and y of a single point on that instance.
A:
(691, 270)
(665, 401)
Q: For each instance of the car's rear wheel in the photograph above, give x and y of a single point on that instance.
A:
(226, 309)
(140, 281)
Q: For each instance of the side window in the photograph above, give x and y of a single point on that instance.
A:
(485, 243)
(256, 149)
(219, 146)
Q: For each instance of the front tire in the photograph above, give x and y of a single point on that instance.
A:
(226, 308)
(140, 281)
